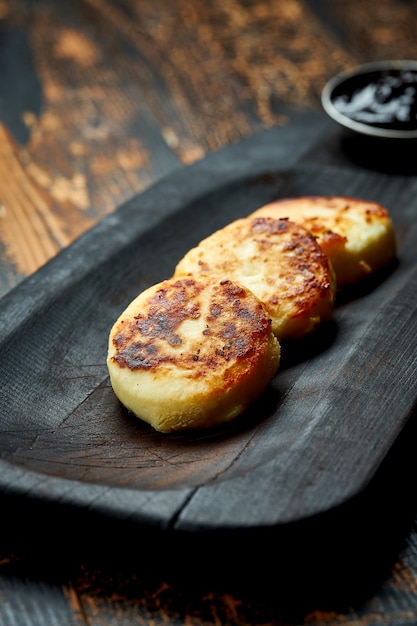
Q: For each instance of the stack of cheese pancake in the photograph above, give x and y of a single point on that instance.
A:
(195, 350)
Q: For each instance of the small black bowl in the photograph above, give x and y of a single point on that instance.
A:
(375, 99)
(376, 106)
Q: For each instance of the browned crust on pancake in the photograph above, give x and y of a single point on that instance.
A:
(141, 342)
(296, 282)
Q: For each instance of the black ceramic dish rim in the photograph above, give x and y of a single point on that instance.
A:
(358, 127)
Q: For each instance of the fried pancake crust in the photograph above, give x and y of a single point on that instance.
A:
(357, 235)
(279, 261)
(191, 352)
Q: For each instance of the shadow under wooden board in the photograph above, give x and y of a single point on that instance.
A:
(312, 441)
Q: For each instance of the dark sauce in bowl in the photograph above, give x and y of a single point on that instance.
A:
(382, 99)
(378, 99)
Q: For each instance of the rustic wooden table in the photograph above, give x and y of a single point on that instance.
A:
(99, 99)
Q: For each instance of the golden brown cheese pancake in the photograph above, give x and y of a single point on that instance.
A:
(192, 352)
(279, 261)
(357, 235)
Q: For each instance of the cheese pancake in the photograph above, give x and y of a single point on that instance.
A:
(357, 235)
(279, 261)
(191, 352)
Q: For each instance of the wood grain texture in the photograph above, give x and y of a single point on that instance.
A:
(113, 95)
(98, 100)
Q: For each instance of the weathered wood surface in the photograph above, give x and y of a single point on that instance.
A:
(100, 99)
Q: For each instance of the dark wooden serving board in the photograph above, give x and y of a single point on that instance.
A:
(312, 442)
